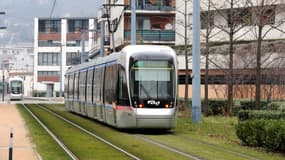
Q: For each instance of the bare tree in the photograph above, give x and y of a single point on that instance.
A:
(186, 25)
(236, 22)
(265, 11)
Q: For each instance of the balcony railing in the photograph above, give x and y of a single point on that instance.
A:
(150, 7)
(152, 35)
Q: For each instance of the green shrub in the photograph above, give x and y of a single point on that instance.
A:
(269, 134)
(216, 107)
(276, 106)
(251, 132)
(260, 114)
(251, 104)
(39, 93)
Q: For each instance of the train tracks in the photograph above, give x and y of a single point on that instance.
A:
(64, 147)
(58, 141)
(150, 142)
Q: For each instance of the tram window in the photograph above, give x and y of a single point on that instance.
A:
(70, 86)
(111, 78)
(76, 86)
(82, 84)
(122, 88)
(89, 87)
(66, 84)
(96, 88)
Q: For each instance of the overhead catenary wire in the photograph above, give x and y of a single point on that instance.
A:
(52, 9)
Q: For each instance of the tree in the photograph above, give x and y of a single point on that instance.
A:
(237, 20)
(265, 11)
(186, 25)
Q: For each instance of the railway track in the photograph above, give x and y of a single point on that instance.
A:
(188, 154)
(66, 149)
(169, 148)
(58, 141)
(173, 149)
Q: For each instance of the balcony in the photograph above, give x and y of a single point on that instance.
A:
(152, 35)
(150, 7)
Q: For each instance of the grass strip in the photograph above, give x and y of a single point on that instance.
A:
(218, 131)
(81, 144)
(126, 141)
(45, 145)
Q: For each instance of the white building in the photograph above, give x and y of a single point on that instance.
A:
(246, 15)
(58, 41)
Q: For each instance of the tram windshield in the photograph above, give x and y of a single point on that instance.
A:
(16, 87)
(152, 80)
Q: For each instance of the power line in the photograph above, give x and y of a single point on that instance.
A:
(52, 9)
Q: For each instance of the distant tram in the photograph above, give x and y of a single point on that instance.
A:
(133, 88)
(16, 88)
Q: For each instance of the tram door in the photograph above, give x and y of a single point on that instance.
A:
(50, 89)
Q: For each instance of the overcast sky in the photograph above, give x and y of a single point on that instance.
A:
(19, 17)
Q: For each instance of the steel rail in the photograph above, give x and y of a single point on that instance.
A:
(92, 134)
(168, 147)
(61, 144)
(247, 156)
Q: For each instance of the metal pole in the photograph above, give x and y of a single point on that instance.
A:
(102, 34)
(11, 145)
(3, 85)
(60, 72)
(133, 22)
(83, 56)
(196, 80)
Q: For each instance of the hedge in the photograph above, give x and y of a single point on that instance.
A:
(260, 114)
(276, 106)
(246, 104)
(269, 134)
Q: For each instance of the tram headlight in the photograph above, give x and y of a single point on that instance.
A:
(167, 105)
(140, 105)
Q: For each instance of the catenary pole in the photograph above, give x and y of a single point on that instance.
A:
(60, 68)
(196, 80)
(133, 22)
(83, 56)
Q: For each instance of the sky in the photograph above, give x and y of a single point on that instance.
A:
(20, 14)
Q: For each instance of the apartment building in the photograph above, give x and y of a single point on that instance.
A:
(155, 21)
(58, 41)
(243, 15)
(243, 18)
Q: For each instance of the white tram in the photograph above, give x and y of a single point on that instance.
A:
(133, 88)
(16, 88)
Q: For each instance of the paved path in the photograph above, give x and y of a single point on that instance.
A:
(23, 148)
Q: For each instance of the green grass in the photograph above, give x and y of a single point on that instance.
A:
(213, 134)
(126, 141)
(84, 146)
(45, 145)
(213, 138)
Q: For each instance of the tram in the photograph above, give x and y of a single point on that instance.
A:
(133, 88)
(16, 88)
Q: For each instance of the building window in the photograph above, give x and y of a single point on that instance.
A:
(48, 43)
(48, 73)
(74, 43)
(78, 25)
(207, 20)
(73, 58)
(240, 16)
(49, 26)
(268, 16)
(48, 59)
